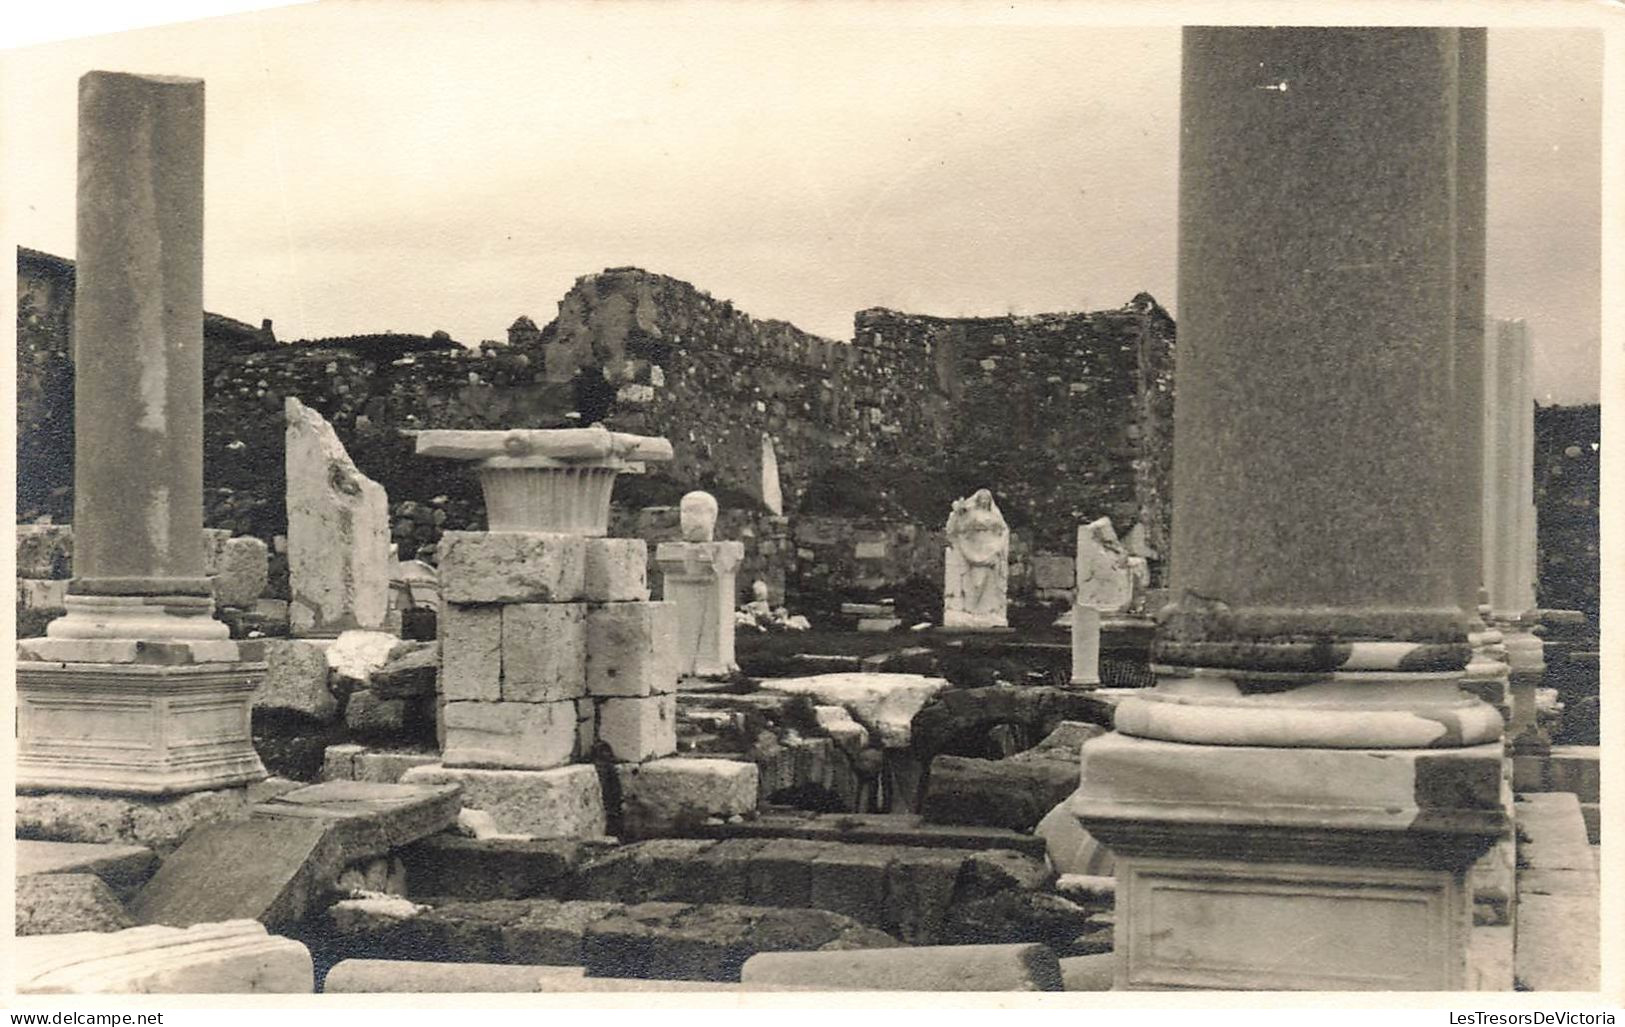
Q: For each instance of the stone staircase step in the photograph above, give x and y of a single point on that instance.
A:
(451, 866)
(1567, 768)
(871, 829)
(929, 969)
(402, 976)
(1556, 946)
(666, 940)
(922, 895)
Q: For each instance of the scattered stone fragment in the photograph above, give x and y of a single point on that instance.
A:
(884, 703)
(64, 903)
(158, 823)
(296, 678)
(233, 958)
(123, 868)
(411, 671)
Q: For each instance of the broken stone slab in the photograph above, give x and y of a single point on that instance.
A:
(924, 969)
(454, 867)
(385, 976)
(271, 871)
(885, 704)
(65, 903)
(710, 942)
(566, 802)
(296, 678)
(236, 957)
(158, 823)
(368, 819)
(123, 868)
(665, 795)
(338, 531)
(512, 567)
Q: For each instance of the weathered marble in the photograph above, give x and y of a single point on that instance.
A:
(338, 532)
(976, 571)
(697, 516)
(698, 580)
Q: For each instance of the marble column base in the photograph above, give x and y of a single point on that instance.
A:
(148, 721)
(1243, 867)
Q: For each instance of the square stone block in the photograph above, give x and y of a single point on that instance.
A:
(136, 729)
(512, 567)
(532, 736)
(296, 674)
(42, 593)
(631, 649)
(567, 802)
(639, 729)
(471, 652)
(544, 651)
(681, 791)
(617, 570)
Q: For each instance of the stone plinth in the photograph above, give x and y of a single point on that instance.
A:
(547, 480)
(699, 582)
(1298, 801)
(1244, 867)
(338, 532)
(135, 717)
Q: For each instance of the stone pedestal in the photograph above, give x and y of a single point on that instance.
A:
(1297, 803)
(1526, 660)
(1273, 868)
(137, 689)
(551, 651)
(132, 717)
(699, 582)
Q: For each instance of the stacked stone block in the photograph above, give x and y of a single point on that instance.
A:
(551, 646)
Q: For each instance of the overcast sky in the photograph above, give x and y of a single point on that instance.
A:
(409, 166)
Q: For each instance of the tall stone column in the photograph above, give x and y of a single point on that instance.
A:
(1307, 756)
(1509, 557)
(137, 688)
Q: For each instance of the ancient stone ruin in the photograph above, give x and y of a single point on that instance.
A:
(788, 749)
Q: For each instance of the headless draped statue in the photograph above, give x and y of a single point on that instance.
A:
(976, 566)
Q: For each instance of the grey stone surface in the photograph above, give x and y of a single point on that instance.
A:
(271, 871)
(926, 969)
(232, 958)
(123, 868)
(64, 903)
(368, 819)
(158, 823)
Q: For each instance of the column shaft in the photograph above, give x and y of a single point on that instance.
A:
(138, 392)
